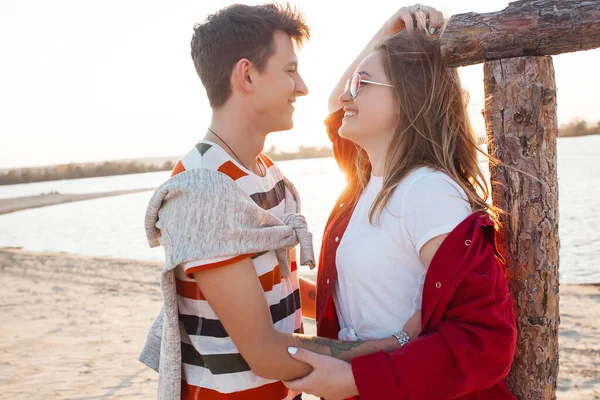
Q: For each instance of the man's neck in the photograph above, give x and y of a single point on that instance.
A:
(238, 136)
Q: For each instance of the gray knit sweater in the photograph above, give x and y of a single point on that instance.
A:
(201, 214)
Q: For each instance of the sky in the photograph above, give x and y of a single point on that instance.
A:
(91, 80)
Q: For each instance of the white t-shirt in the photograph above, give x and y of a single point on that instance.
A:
(380, 274)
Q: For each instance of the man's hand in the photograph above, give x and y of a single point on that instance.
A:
(330, 378)
(404, 18)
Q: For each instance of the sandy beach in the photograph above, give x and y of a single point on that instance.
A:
(72, 328)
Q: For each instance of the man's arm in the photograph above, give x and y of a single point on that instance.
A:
(308, 297)
(243, 310)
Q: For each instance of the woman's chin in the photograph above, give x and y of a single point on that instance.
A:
(346, 131)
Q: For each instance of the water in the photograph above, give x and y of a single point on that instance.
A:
(579, 208)
(114, 226)
(86, 185)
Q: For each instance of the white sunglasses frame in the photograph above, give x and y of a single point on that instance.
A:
(361, 80)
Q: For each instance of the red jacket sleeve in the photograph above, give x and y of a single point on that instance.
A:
(471, 349)
(344, 151)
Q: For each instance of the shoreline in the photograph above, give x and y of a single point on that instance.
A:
(129, 167)
(15, 204)
(73, 326)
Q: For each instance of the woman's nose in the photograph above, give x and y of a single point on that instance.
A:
(345, 97)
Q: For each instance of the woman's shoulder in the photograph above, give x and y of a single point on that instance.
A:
(430, 204)
(429, 181)
(430, 191)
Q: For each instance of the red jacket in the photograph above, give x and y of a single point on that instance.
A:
(467, 342)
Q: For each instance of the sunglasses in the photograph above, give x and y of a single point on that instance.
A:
(354, 84)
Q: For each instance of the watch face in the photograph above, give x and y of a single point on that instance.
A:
(402, 338)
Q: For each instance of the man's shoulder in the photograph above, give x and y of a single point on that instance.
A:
(204, 155)
(268, 161)
(272, 167)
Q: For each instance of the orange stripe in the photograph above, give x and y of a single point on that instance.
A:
(270, 279)
(178, 168)
(231, 170)
(275, 390)
(268, 162)
(191, 271)
(190, 290)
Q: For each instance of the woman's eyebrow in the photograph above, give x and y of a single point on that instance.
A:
(365, 73)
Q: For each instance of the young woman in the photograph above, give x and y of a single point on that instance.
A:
(412, 231)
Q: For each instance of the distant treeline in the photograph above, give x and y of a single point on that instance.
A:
(572, 129)
(78, 170)
(303, 152)
(109, 168)
(578, 128)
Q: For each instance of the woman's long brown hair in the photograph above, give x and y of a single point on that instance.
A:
(433, 127)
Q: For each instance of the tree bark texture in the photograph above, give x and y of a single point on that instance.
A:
(520, 115)
(524, 28)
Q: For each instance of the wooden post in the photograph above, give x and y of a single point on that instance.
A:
(520, 115)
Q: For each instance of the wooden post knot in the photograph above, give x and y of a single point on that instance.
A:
(548, 96)
(518, 117)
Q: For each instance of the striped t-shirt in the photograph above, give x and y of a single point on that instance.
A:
(212, 367)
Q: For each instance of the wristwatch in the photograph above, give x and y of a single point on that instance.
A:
(402, 338)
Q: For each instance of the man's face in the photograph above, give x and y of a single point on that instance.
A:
(278, 86)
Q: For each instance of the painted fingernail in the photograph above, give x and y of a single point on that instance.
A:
(431, 31)
(292, 350)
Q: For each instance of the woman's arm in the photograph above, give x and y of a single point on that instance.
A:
(308, 298)
(471, 350)
(245, 314)
(344, 150)
(402, 19)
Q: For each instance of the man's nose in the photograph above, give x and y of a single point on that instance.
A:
(301, 88)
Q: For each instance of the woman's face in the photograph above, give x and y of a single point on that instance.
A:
(371, 117)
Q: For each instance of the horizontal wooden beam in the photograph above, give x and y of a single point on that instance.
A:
(524, 28)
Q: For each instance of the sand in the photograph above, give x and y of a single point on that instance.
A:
(48, 199)
(72, 327)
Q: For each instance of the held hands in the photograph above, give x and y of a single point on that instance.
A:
(331, 378)
(406, 17)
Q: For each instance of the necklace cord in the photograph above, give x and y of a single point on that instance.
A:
(235, 155)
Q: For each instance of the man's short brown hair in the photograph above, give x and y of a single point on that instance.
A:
(236, 32)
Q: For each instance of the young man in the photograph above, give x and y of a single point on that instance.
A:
(238, 313)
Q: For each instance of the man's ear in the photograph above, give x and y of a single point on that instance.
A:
(240, 76)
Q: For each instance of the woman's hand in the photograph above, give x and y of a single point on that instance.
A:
(330, 378)
(404, 19)
(413, 325)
